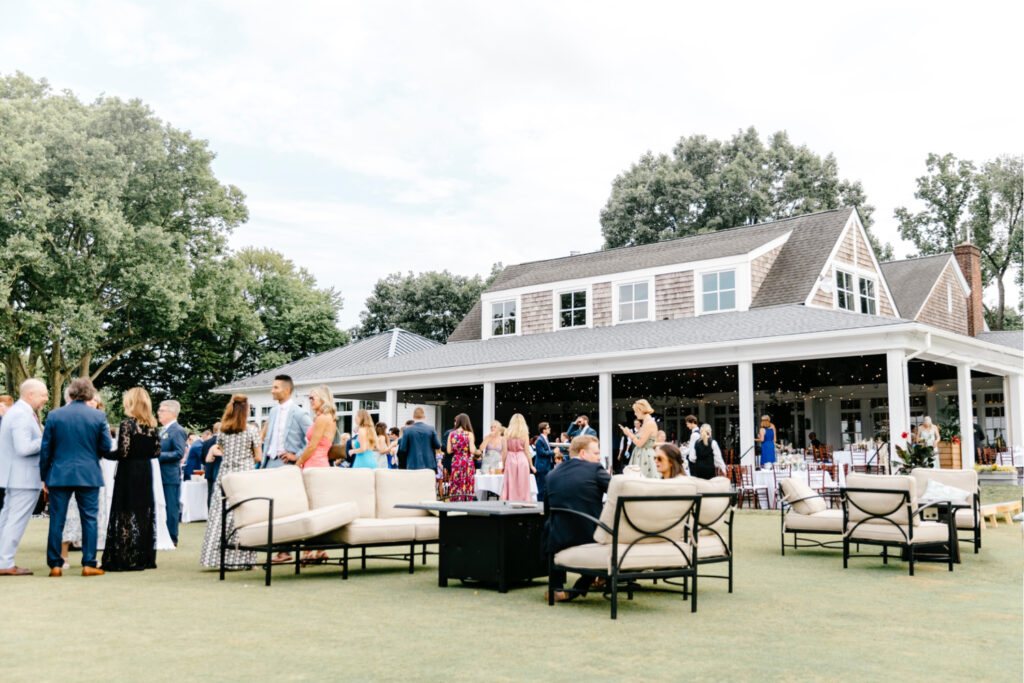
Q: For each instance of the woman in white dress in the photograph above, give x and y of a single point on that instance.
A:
(928, 433)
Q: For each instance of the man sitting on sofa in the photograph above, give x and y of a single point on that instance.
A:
(577, 484)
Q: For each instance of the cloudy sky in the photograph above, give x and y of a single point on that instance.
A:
(373, 137)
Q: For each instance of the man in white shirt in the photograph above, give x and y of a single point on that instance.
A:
(286, 426)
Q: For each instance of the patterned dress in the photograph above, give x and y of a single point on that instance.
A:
(238, 457)
(643, 457)
(463, 486)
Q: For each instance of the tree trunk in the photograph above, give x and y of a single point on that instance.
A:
(83, 365)
(1002, 297)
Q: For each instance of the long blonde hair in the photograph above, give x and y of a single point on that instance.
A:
(138, 405)
(517, 428)
(323, 392)
(705, 433)
(365, 421)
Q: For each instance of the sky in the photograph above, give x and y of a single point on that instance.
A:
(378, 137)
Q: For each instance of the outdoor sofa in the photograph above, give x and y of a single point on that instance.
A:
(291, 510)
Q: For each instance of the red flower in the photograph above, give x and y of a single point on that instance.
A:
(904, 435)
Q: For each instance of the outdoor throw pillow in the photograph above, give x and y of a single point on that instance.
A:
(939, 491)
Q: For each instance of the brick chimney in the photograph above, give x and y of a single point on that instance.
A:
(969, 258)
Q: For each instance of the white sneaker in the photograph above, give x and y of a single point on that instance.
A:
(67, 565)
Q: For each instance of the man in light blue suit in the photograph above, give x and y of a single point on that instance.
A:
(173, 441)
(75, 438)
(20, 438)
(286, 426)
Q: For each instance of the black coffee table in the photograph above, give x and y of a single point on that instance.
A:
(494, 542)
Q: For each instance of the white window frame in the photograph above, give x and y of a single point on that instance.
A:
(489, 318)
(852, 291)
(861, 298)
(616, 285)
(556, 307)
(699, 290)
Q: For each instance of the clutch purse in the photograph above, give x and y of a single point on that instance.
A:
(335, 453)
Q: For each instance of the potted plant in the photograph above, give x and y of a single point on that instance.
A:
(915, 455)
(949, 438)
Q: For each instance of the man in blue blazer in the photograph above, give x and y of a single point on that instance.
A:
(577, 484)
(419, 445)
(194, 461)
(20, 436)
(544, 461)
(580, 427)
(172, 451)
(287, 425)
(75, 438)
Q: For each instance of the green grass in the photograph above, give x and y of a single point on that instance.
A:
(797, 617)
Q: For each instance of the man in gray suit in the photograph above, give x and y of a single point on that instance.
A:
(286, 426)
(20, 437)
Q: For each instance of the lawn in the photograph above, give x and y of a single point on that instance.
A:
(797, 617)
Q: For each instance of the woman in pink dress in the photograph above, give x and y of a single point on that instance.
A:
(516, 462)
(319, 438)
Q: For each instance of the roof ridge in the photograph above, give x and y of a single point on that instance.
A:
(917, 258)
(765, 224)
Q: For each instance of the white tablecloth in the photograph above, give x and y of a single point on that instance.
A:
(492, 483)
(767, 478)
(193, 501)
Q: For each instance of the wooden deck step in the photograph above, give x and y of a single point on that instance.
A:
(1007, 509)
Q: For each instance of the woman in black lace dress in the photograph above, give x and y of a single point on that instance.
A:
(131, 528)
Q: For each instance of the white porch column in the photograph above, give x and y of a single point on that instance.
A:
(1013, 401)
(745, 375)
(391, 397)
(604, 416)
(899, 397)
(965, 399)
(488, 415)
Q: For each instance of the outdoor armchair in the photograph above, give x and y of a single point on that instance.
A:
(804, 513)
(965, 480)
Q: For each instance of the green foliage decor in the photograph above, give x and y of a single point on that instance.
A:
(917, 455)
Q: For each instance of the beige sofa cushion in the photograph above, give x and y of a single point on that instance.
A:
(712, 509)
(649, 516)
(925, 532)
(661, 555)
(363, 530)
(331, 485)
(965, 519)
(303, 525)
(868, 504)
(826, 520)
(396, 487)
(796, 490)
(426, 528)
(710, 546)
(966, 480)
(283, 484)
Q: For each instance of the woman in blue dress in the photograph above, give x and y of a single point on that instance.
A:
(364, 445)
(767, 438)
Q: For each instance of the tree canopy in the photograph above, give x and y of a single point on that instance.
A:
(431, 304)
(706, 185)
(983, 206)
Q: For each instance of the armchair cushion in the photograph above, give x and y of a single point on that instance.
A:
(395, 487)
(824, 521)
(663, 555)
(332, 485)
(966, 480)
(925, 532)
(370, 530)
(965, 519)
(796, 490)
(711, 509)
(300, 526)
(710, 546)
(283, 484)
(648, 516)
(880, 502)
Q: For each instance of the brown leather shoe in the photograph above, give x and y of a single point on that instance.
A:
(92, 571)
(15, 571)
(56, 571)
(560, 596)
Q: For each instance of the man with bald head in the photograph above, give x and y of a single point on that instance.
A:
(20, 438)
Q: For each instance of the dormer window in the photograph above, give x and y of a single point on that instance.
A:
(634, 302)
(572, 310)
(845, 294)
(718, 291)
(868, 300)
(503, 318)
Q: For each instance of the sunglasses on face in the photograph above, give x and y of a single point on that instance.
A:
(660, 458)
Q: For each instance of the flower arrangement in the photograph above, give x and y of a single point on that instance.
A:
(791, 460)
(915, 455)
(984, 469)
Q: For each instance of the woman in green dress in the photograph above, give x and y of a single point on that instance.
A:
(643, 440)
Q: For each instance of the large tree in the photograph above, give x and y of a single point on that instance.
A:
(431, 304)
(264, 312)
(707, 184)
(962, 203)
(108, 220)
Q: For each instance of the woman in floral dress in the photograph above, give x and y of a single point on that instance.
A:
(241, 451)
(461, 444)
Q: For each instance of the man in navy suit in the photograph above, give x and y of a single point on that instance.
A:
(74, 439)
(419, 445)
(194, 461)
(577, 484)
(544, 460)
(172, 451)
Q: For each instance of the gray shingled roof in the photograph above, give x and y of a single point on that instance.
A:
(779, 321)
(798, 265)
(1012, 338)
(469, 328)
(911, 280)
(390, 344)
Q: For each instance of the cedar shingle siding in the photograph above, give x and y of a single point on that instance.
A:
(673, 295)
(602, 304)
(936, 309)
(537, 312)
(845, 252)
(863, 252)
